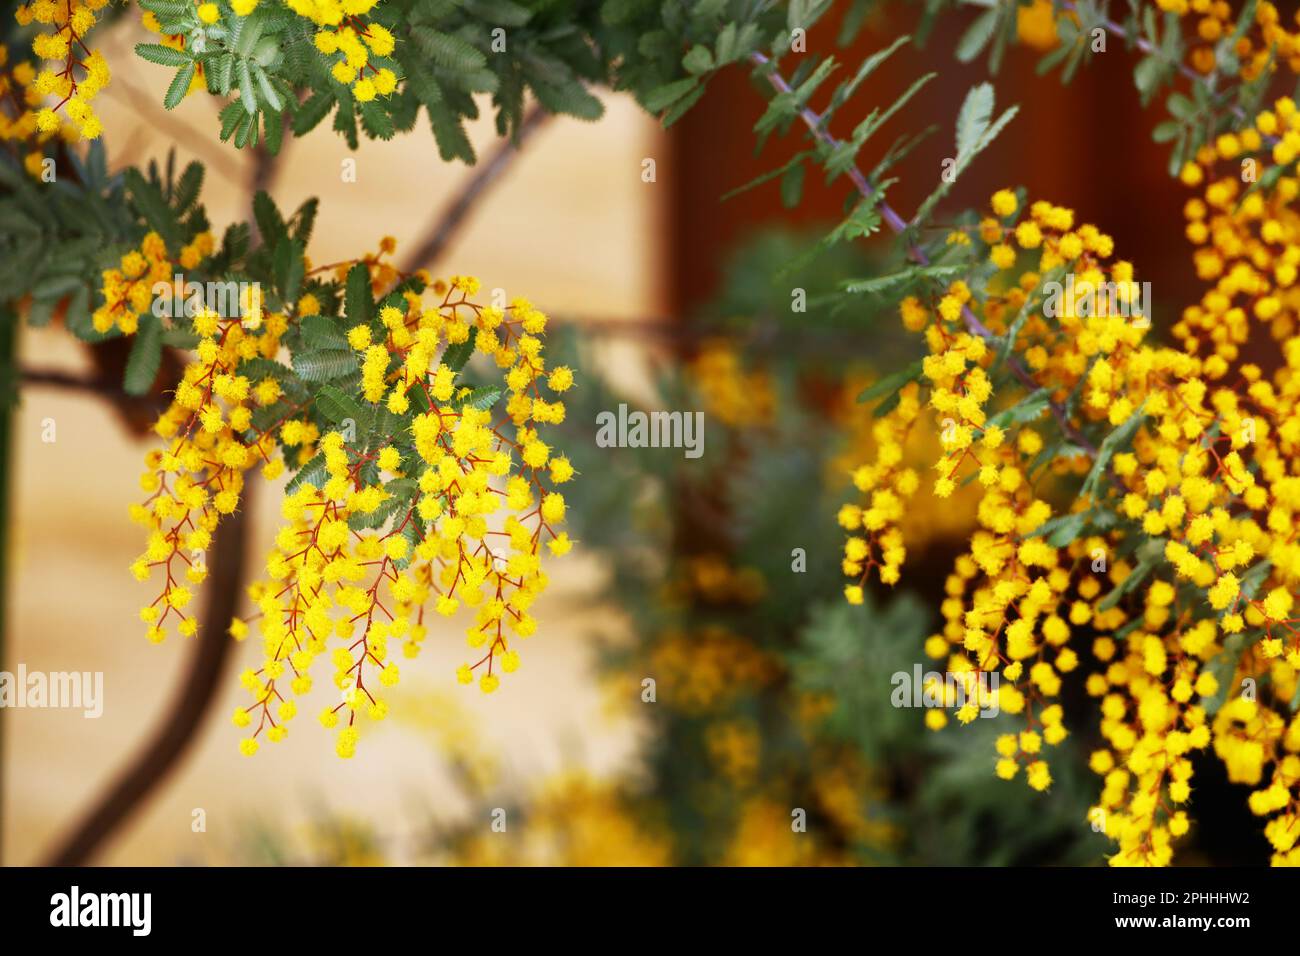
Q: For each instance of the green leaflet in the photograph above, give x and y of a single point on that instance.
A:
(380, 516)
(322, 332)
(1254, 578)
(1063, 529)
(288, 268)
(903, 278)
(188, 187)
(1114, 442)
(1150, 555)
(179, 86)
(312, 473)
(891, 383)
(978, 34)
(1224, 665)
(322, 365)
(481, 397)
(269, 221)
(145, 357)
(455, 356)
(163, 55)
(357, 302)
(155, 210)
(662, 97)
(795, 163)
(976, 129)
(1026, 410)
(310, 114)
(339, 407)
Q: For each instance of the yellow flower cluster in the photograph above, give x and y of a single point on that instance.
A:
(1198, 491)
(1260, 48)
(331, 13)
(711, 579)
(453, 507)
(877, 540)
(919, 447)
(354, 41)
(354, 51)
(128, 289)
(764, 837)
(210, 13)
(732, 394)
(20, 102)
(572, 820)
(707, 668)
(1036, 24)
(64, 46)
(460, 519)
(199, 477)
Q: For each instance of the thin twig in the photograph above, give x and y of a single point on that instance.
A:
(813, 121)
(448, 224)
(1146, 47)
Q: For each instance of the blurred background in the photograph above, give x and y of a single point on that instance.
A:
(772, 695)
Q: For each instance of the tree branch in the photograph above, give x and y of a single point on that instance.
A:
(92, 385)
(190, 705)
(440, 235)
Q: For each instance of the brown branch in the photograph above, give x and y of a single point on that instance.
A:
(92, 385)
(185, 714)
(449, 223)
